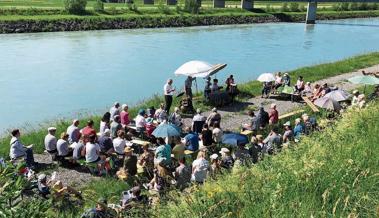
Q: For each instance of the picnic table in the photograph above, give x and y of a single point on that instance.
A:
(140, 142)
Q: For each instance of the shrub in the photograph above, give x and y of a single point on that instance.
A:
(192, 6)
(353, 6)
(374, 6)
(269, 8)
(344, 6)
(99, 6)
(75, 6)
(294, 6)
(363, 6)
(284, 7)
(112, 10)
(133, 7)
(163, 8)
(303, 8)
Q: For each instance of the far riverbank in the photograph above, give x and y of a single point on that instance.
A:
(30, 24)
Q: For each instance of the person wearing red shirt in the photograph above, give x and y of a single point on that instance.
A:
(88, 130)
(124, 115)
(273, 115)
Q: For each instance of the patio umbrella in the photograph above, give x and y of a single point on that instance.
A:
(338, 95)
(328, 103)
(266, 77)
(166, 130)
(234, 139)
(366, 80)
(198, 69)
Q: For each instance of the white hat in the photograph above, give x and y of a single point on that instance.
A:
(214, 109)
(124, 106)
(51, 129)
(42, 177)
(116, 103)
(198, 110)
(224, 150)
(214, 156)
(107, 131)
(355, 91)
(288, 123)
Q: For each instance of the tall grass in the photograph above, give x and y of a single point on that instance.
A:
(36, 135)
(332, 173)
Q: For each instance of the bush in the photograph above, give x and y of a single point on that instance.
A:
(75, 6)
(374, 6)
(345, 6)
(192, 6)
(269, 8)
(133, 7)
(353, 6)
(294, 7)
(163, 8)
(363, 6)
(112, 10)
(284, 7)
(99, 6)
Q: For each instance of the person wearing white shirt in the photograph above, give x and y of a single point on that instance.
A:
(168, 92)
(115, 110)
(51, 141)
(119, 143)
(140, 121)
(73, 132)
(92, 150)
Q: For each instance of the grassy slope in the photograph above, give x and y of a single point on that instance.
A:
(317, 72)
(332, 173)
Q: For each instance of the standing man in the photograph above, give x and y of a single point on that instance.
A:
(188, 86)
(168, 92)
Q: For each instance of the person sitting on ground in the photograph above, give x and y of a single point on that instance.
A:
(213, 117)
(105, 123)
(146, 160)
(254, 149)
(18, 150)
(62, 146)
(191, 140)
(163, 152)
(161, 114)
(206, 136)
(130, 162)
(262, 117)
(176, 118)
(278, 81)
(178, 149)
(266, 89)
(317, 91)
(354, 101)
(73, 132)
(59, 190)
(100, 211)
(261, 145)
(286, 79)
(132, 197)
(51, 141)
(273, 115)
(288, 133)
(215, 167)
(200, 168)
(242, 154)
(141, 121)
(298, 130)
(307, 89)
(198, 121)
(119, 143)
(124, 116)
(310, 123)
(300, 85)
(227, 160)
(150, 126)
(88, 130)
(92, 152)
(217, 133)
(115, 110)
(115, 126)
(106, 143)
(161, 180)
(253, 123)
(77, 149)
(182, 174)
(325, 89)
(43, 186)
(272, 141)
(361, 100)
(215, 89)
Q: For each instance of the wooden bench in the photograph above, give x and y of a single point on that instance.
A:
(247, 133)
(310, 104)
(291, 114)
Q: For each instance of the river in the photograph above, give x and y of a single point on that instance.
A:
(45, 76)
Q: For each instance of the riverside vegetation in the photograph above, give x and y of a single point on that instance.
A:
(75, 15)
(305, 180)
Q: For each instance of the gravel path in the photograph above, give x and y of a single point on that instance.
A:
(232, 118)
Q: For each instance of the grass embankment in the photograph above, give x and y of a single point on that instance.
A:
(332, 173)
(249, 89)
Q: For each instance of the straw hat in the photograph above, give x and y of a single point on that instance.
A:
(288, 123)
(128, 149)
(214, 156)
(224, 150)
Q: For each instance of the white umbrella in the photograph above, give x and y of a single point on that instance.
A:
(194, 69)
(266, 77)
(338, 95)
(328, 103)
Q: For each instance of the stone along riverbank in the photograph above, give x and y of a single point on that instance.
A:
(83, 23)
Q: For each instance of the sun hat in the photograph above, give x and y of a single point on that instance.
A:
(297, 120)
(141, 112)
(214, 109)
(198, 110)
(51, 129)
(149, 120)
(128, 149)
(42, 177)
(224, 150)
(288, 123)
(214, 156)
(124, 106)
(107, 131)
(355, 91)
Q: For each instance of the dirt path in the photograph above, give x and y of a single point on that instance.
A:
(232, 118)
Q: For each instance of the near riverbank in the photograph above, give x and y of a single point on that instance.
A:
(55, 23)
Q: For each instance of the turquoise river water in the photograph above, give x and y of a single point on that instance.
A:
(45, 76)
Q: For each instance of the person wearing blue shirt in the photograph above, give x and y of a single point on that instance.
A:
(299, 129)
(191, 140)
